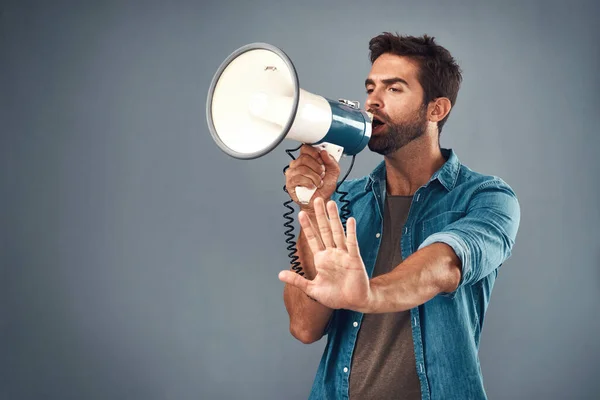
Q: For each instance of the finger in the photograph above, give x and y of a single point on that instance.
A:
(314, 241)
(323, 222)
(352, 241)
(294, 279)
(310, 150)
(328, 159)
(305, 171)
(336, 225)
(316, 164)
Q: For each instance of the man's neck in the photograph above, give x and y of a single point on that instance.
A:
(412, 166)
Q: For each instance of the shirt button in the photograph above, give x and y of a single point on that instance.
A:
(345, 369)
(377, 234)
(355, 324)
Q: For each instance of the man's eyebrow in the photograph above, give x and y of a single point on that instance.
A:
(387, 82)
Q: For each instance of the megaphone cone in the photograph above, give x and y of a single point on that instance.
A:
(255, 101)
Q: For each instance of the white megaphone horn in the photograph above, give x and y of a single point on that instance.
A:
(255, 101)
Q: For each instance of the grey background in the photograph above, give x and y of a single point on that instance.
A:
(138, 261)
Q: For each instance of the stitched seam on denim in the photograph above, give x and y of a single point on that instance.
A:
(476, 306)
(459, 170)
(485, 185)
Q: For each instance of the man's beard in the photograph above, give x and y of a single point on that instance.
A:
(399, 135)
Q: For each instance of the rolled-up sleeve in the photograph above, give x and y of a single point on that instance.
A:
(484, 237)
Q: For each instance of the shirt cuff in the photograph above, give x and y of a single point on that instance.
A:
(462, 252)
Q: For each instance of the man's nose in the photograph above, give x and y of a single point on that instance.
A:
(372, 102)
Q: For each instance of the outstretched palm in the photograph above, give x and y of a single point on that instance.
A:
(341, 280)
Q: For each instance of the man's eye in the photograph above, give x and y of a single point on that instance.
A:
(393, 89)
(369, 91)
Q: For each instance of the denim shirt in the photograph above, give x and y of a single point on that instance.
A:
(478, 216)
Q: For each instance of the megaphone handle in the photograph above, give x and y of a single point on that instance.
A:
(305, 194)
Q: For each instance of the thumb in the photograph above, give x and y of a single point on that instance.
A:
(294, 279)
(328, 159)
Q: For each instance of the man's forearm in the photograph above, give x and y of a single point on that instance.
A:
(308, 318)
(426, 273)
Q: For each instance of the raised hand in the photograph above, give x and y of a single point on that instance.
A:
(341, 281)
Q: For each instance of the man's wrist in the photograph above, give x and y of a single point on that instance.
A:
(369, 305)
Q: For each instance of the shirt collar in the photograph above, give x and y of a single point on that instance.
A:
(446, 175)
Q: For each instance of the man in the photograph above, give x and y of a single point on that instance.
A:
(402, 294)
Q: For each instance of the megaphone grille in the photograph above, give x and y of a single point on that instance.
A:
(252, 100)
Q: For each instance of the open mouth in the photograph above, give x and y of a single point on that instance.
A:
(377, 124)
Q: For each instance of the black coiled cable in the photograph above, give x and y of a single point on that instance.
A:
(288, 224)
(344, 215)
(345, 209)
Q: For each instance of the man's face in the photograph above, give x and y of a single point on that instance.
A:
(395, 98)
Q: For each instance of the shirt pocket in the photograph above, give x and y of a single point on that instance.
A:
(438, 223)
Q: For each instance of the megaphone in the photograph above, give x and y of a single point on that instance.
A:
(255, 101)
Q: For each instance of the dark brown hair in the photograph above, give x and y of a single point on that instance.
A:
(439, 74)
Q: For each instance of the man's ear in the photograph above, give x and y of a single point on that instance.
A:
(439, 109)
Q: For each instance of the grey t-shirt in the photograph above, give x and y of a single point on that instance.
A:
(383, 363)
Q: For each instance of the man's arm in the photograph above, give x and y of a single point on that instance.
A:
(308, 318)
(426, 273)
(462, 254)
